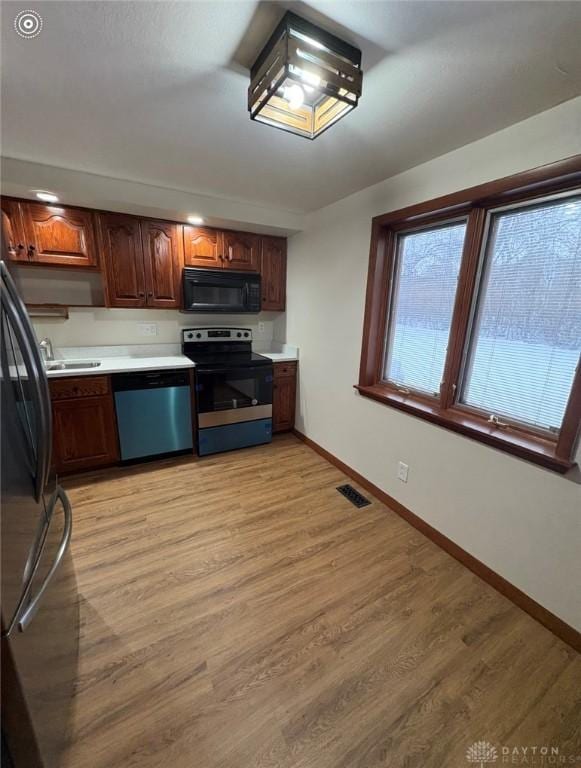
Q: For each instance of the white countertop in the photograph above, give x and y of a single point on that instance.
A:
(124, 365)
(280, 357)
(127, 359)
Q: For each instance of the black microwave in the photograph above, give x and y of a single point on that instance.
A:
(219, 290)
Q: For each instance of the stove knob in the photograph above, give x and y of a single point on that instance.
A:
(239, 334)
(189, 335)
(247, 334)
(198, 335)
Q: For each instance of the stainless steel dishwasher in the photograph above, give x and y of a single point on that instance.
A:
(154, 413)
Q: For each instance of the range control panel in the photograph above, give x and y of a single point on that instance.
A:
(191, 335)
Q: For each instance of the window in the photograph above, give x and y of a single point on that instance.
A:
(527, 335)
(473, 315)
(422, 300)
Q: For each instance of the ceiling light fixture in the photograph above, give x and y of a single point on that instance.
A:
(197, 221)
(305, 79)
(47, 197)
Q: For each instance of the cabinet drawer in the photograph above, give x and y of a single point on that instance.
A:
(81, 386)
(285, 369)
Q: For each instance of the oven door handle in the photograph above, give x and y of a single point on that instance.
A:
(246, 369)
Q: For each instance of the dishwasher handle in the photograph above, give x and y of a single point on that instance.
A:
(150, 380)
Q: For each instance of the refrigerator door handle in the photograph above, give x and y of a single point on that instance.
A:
(30, 612)
(19, 320)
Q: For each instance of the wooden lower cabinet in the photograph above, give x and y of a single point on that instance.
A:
(284, 396)
(84, 423)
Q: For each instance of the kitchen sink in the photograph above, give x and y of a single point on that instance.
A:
(72, 366)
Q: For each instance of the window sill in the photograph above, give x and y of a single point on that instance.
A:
(529, 447)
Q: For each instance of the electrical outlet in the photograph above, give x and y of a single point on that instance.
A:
(147, 329)
(402, 472)
(261, 328)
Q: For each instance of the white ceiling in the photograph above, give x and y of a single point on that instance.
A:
(156, 91)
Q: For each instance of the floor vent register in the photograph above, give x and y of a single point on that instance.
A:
(353, 496)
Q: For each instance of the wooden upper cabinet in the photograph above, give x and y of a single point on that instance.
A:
(162, 253)
(142, 259)
(120, 238)
(241, 251)
(60, 236)
(203, 247)
(13, 231)
(273, 272)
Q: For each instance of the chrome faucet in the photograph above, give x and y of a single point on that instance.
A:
(46, 349)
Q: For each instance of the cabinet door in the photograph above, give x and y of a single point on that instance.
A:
(13, 231)
(273, 272)
(60, 236)
(162, 256)
(283, 397)
(242, 251)
(123, 255)
(203, 247)
(85, 433)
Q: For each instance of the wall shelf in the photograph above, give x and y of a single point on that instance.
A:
(48, 310)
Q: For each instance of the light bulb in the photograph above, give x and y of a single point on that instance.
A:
(295, 96)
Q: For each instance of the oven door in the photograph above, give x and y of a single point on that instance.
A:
(233, 395)
(207, 290)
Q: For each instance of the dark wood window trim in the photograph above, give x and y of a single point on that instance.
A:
(472, 204)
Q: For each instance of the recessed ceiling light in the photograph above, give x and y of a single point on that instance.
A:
(47, 197)
(197, 221)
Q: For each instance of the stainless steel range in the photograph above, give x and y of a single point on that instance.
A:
(233, 389)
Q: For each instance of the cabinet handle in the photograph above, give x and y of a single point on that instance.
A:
(31, 250)
(141, 295)
(230, 252)
(150, 294)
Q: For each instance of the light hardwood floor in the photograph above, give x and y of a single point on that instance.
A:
(237, 611)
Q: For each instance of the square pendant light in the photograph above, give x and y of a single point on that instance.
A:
(305, 79)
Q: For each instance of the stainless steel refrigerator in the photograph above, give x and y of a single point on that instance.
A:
(39, 609)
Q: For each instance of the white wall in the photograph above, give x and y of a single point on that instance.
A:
(522, 521)
(105, 327)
